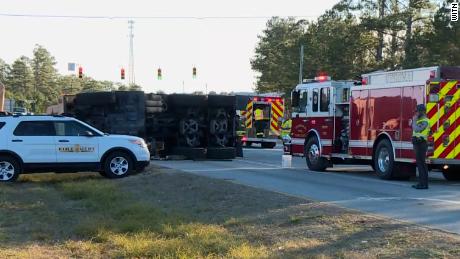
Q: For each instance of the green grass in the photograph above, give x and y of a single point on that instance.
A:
(103, 219)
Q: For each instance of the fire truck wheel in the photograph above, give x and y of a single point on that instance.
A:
(384, 160)
(452, 173)
(312, 154)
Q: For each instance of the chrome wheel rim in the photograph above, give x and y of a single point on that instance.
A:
(383, 160)
(6, 171)
(119, 165)
(313, 153)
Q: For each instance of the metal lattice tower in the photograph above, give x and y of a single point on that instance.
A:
(131, 77)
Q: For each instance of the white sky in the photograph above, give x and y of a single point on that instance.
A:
(221, 49)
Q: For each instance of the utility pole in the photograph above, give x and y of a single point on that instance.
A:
(131, 77)
(35, 88)
(301, 65)
(380, 36)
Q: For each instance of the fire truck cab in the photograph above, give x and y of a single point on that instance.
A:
(370, 122)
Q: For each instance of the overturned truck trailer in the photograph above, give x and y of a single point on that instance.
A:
(194, 126)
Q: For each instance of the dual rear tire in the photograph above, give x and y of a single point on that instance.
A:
(386, 167)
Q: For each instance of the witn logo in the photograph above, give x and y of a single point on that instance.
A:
(454, 11)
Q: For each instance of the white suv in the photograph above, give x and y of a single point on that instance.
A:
(30, 144)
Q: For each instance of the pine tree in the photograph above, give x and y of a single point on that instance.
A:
(45, 78)
(4, 71)
(20, 82)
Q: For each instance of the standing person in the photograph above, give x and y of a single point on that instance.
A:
(259, 122)
(420, 132)
(286, 130)
(240, 132)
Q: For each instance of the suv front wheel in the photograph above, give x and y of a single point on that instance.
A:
(118, 165)
(9, 169)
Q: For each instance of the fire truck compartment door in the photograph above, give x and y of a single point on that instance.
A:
(411, 96)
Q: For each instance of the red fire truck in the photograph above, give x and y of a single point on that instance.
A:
(369, 122)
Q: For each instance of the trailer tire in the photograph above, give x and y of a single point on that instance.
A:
(151, 110)
(313, 157)
(452, 173)
(154, 97)
(383, 160)
(150, 103)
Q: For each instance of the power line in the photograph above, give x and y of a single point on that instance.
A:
(100, 17)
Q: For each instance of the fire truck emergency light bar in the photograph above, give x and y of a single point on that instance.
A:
(323, 78)
(264, 99)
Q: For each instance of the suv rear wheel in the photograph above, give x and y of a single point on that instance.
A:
(117, 165)
(9, 169)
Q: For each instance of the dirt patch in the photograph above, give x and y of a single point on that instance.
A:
(167, 213)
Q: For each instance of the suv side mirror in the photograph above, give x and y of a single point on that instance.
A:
(87, 134)
(295, 97)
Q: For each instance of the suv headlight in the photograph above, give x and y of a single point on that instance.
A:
(139, 142)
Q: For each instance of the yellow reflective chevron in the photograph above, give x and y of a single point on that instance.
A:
(248, 114)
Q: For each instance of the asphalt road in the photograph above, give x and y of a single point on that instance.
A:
(355, 187)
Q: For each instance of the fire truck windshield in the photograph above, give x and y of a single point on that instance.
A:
(325, 99)
(303, 101)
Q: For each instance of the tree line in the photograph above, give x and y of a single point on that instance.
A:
(356, 37)
(34, 82)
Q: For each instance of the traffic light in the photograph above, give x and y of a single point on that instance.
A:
(194, 72)
(122, 74)
(159, 76)
(80, 72)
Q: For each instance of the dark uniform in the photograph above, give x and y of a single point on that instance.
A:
(420, 132)
(240, 132)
